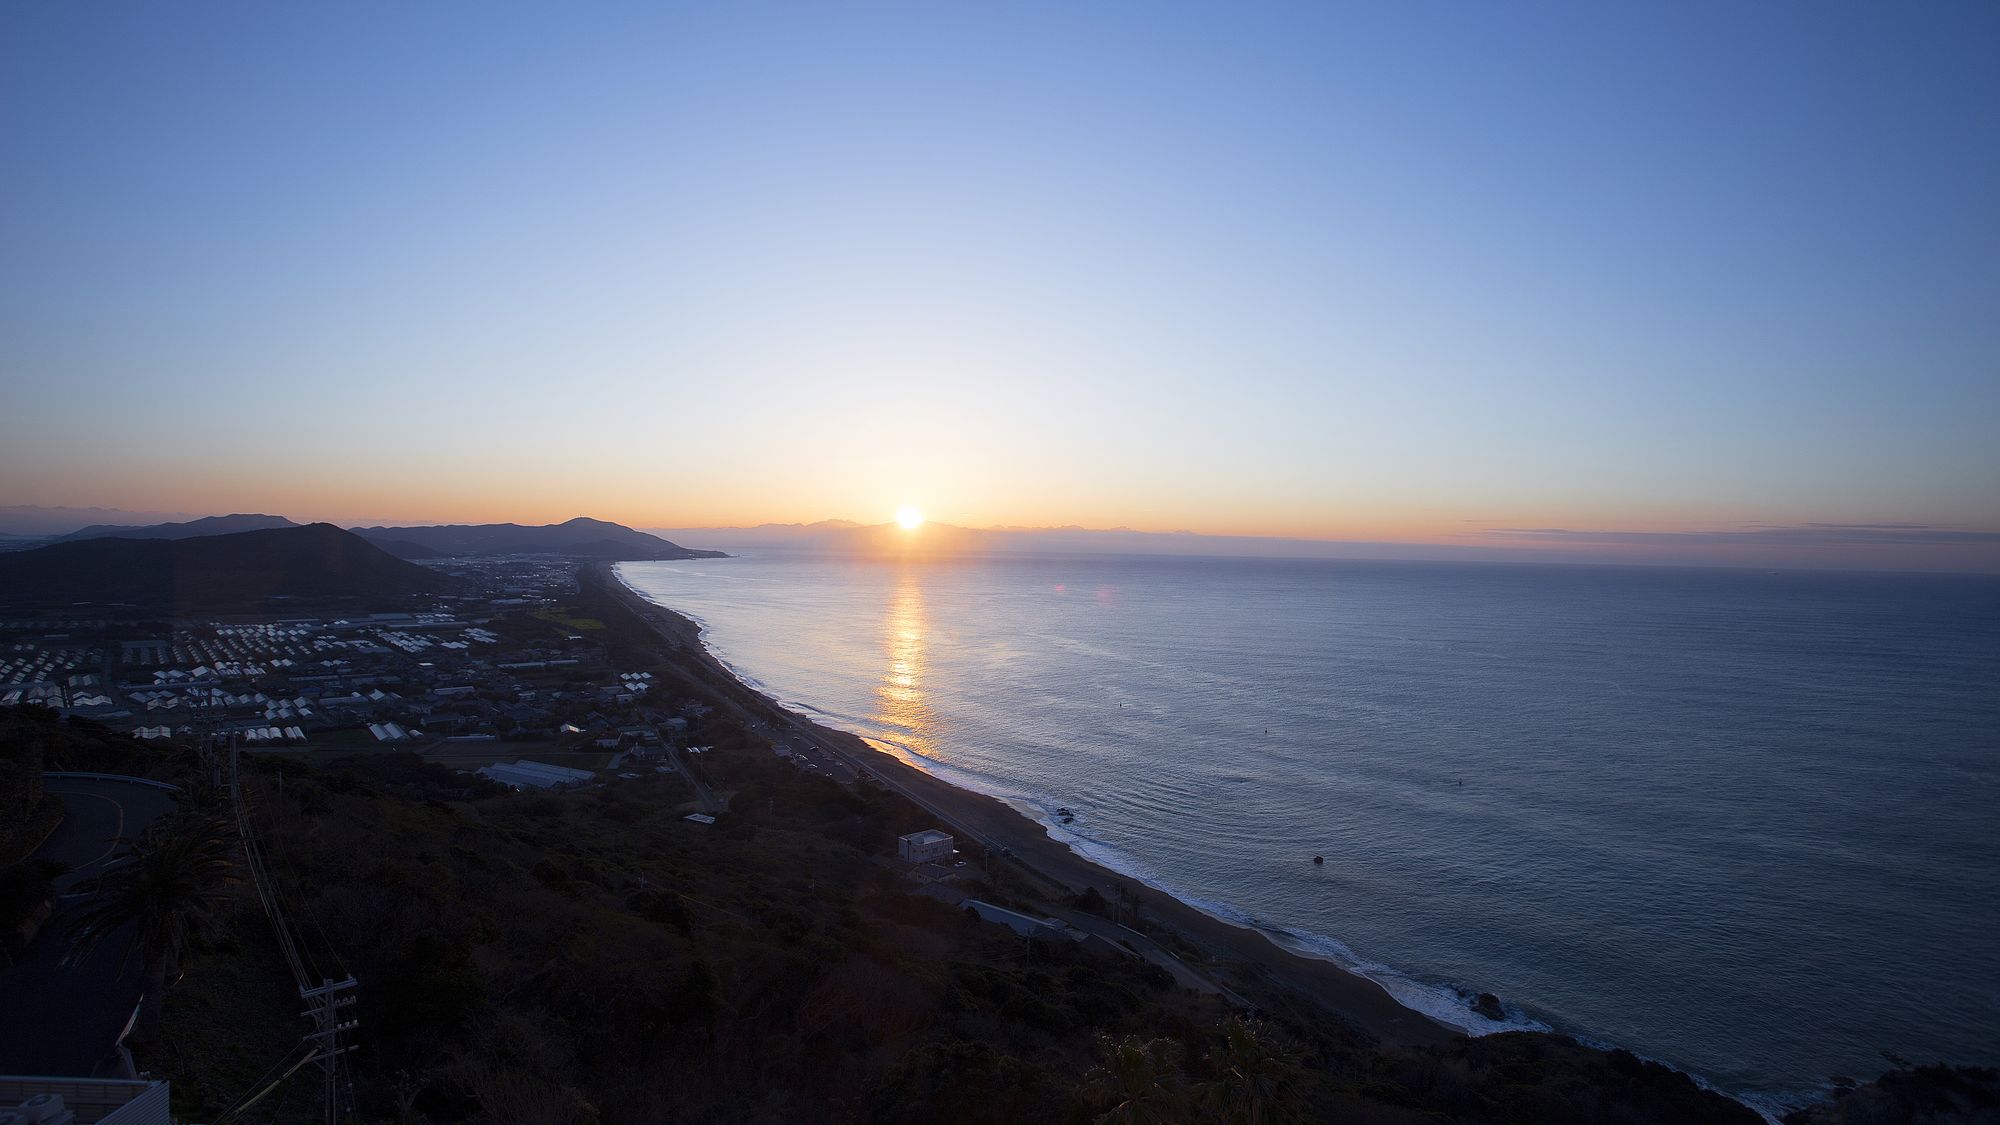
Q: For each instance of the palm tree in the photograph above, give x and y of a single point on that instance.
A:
(1256, 1079)
(1136, 1083)
(171, 886)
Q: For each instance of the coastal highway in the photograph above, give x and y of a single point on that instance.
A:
(1026, 847)
(807, 742)
(804, 739)
(822, 750)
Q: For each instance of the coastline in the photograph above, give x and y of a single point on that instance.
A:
(1243, 960)
(984, 677)
(1410, 992)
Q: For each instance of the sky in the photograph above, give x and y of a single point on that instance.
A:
(1417, 272)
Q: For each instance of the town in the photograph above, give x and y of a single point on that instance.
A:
(479, 680)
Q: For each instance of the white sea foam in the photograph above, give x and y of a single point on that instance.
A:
(1447, 1004)
(1586, 704)
(1444, 1003)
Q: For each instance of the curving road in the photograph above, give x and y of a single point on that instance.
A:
(66, 1019)
(97, 816)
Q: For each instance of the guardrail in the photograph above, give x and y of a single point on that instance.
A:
(168, 786)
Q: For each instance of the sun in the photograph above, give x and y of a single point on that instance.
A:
(910, 516)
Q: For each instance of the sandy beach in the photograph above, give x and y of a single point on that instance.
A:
(1243, 962)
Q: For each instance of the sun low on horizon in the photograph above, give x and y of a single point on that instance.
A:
(909, 517)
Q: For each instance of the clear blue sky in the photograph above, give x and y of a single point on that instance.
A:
(1401, 270)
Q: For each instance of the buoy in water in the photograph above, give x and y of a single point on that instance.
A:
(1319, 859)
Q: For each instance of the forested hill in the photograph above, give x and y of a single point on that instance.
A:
(578, 538)
(246, 569)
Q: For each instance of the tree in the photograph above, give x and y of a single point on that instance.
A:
(1136, 1083)
(1256, 1080)
(27, 891)
(171, 887)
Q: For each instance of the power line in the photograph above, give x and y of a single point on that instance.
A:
(326, 1000)
(235, 1112)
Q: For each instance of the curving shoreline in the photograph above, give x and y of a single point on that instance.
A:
(1242, 959)
(1255, 968)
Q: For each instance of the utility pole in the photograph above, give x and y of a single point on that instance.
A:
(325, 1005)
(327, 1002)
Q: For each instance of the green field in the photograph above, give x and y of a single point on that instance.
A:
(580, 624)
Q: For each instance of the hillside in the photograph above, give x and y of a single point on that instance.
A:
(579, 538)
(208, 525)
(595, 959)
(214, 571)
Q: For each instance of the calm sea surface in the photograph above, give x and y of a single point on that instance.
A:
(1744, 823)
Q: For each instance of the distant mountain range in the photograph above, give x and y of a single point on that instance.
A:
(207, 525)
(787, 536)
(579, 538)
(844, 537)
(37, 521)
(238, 570)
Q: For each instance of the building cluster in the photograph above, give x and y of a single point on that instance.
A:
(37, 672)
(502, 666)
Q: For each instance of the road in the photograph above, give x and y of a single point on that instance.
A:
(811, 745)
(1147, 949)
(66, 1019)
(803, 740)
(96, 816)
(703, 796)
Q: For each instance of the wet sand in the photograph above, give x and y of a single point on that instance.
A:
(1243, 960)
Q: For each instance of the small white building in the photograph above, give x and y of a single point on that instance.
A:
(927, 846)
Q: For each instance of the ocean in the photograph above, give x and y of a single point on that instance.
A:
(1743, 823)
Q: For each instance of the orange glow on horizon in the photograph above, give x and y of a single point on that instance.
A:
(699, 498)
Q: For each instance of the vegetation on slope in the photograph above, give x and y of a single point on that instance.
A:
(594, 957)
(580, 538)
(245, 569)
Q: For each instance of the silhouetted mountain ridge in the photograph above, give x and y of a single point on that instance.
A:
(581, 537)
(244, 569)
(207, 525)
